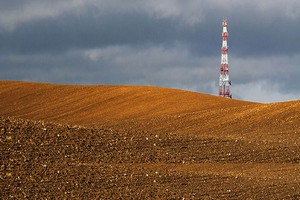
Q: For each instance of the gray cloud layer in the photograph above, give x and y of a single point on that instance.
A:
(167, 43)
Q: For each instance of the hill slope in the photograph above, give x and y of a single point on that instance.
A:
(151, 109)
(145, 142)
(93, 104)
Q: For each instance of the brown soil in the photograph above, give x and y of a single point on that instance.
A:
(111, 142)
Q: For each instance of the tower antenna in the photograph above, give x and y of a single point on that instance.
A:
(224, 81)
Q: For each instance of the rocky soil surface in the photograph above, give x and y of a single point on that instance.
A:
(45, 160)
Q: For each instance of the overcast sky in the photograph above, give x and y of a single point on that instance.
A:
(167, 43)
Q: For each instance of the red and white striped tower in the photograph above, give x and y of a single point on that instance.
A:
(224, 81)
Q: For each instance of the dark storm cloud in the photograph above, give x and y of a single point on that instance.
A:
(265, 37)
(84, 32)
(92, 29)
(159, 42)
(257, 35)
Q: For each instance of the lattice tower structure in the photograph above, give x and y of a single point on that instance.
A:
(224, 81)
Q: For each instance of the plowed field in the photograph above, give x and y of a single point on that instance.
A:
(130, 142)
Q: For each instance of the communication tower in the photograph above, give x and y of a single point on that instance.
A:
(224, 81)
